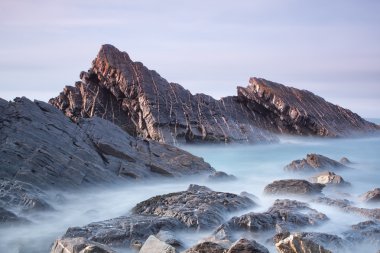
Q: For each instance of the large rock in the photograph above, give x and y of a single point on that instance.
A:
(154, 245)
(364, 233)
(145, 104)
(329, 178)
(247, 246)
(206, 247)
(285, 214)
(372, 196)
(41, 149)
(293, 187)
(197, 207)
(79, 245)
(313, 163)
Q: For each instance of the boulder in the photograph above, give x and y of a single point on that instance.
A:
(154, 245)
(221, 176)
(197, 207)
(288, 214)
(170, 238)
(206, 247)
(79, 245)
(329, 178)
(345, 161)
(293, 187)
(145, 104)
(247, 246)
(314, 163)
(372, 196)
(367, 233)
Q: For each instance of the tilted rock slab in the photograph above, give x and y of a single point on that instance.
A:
(145, 104)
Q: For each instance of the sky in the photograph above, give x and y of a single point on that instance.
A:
(331, 48)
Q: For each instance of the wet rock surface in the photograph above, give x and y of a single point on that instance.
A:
(314, 163)
(206, 247)
(329, 178)
(79, 245)
(293, 187)
(372, 196)
(286, 214)
(198, 207)
(247, 246)
(154, 245)
(143, 103)
(90, 153)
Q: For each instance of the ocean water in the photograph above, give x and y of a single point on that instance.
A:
(255, 166)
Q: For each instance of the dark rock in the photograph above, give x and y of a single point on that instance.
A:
(367, 232)
(125, 231)
(206, 247)
(372, 196)
(313, 163)
(197, 207)
(154, 245)
(88, 154)
(79, 245)
(293, 187)
(329, 179)
(221, 176)
(145, 104)
(7, 218)
(346, 206)
(289, 214)
(345, 161)
(170, 238)
(249, 195)
(247, 246)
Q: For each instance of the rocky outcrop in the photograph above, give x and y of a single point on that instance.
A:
(293, 187)
(313, 163)
(154, 245)
(372, 196)
(283, 214)
(41, 149)
(247, 246)
(206, 247)
(220, 176)
(367, 233)
(79, 245)
(198, 207)
(145, 104)
(329, 178)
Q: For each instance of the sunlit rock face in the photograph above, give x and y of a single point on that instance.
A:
(145, 104)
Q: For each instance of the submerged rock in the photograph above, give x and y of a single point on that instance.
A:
(293, 187)
(372, 196)
(198, 207)
(143, 103)
(288, 214)
(9, 218)
(313, 163)
(79, 245)
(221, 176)
(345, 161)
(329, 178)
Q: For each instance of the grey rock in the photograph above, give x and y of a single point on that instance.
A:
(170, 238)
(8, 217)
(206, 247)
(329, 178)
(345, 161)
(293, 187)
(125, 231)
(314, 163)
(221, 176)
(289, 214)
(372, 196)
(247, 246)
(197, 207)
(79, 245)
(367, 232)
(347, 206)
(154, 245)
(145, 104)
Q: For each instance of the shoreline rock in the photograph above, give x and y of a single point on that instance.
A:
(314, 163)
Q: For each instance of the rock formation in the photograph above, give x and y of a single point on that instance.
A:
(143, 103)
(329, 178)
(41, 149)
(372, 196)
(313, 163)
(293, 187)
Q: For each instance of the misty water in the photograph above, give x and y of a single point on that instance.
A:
(254, 165)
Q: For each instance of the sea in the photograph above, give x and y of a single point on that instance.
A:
(254, 166)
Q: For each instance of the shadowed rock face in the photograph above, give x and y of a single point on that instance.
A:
(41, 149)
(145, 104)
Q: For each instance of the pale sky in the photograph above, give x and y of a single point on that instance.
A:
(331, 48)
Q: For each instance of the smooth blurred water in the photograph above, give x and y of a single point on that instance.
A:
(254, 165)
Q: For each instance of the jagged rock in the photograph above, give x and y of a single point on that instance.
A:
(197, 207)
(221, 176)
(289, 214)
(293, 187)
(329, 178)
(145, 104)
(170, 238)
(367, 232)
(206, 247)
(247, 246)
(345, 161)
(91, 153)
(79, 245)
(313, 163)
(154, 245)
(346, 206)
(372, 196)
(125, 231)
